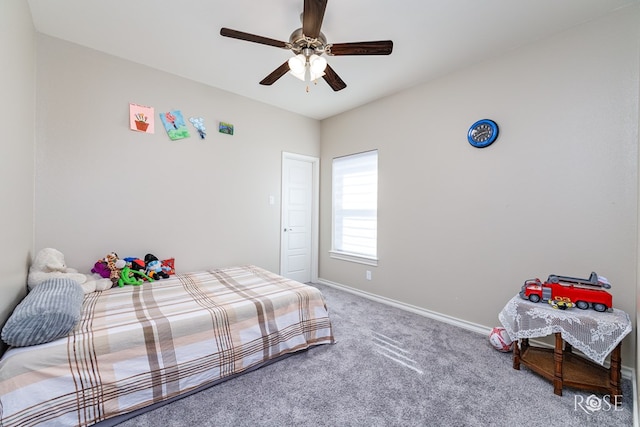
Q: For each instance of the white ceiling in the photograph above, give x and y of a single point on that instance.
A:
(431, 38)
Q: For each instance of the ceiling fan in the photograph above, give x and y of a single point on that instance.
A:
(309, 44)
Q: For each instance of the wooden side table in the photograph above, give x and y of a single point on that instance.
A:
(596, 335)
(565, 368)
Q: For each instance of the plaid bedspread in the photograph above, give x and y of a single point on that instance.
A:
(139, 345)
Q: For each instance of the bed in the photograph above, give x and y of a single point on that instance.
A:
(140, 346)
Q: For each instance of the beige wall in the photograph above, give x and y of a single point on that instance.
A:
(101, 187)
(17, 86)
(461, 228)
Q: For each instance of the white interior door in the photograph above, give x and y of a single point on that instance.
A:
(299, 231)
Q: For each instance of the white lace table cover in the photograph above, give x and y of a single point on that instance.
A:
(593, 333)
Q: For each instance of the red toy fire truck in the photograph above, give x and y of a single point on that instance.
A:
(564, 292)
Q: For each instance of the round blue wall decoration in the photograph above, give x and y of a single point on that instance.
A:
(482, 133)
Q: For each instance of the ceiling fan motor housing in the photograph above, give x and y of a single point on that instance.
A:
(300, 43)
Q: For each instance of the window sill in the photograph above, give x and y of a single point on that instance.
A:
(354, 258)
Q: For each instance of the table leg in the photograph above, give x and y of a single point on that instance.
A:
(516, 355)
(557, 357)
(615, 376)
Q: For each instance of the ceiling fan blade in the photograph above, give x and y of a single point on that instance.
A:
(312, 16)
(382, 47)
(235, 34)
(276, 74)
(333, 79)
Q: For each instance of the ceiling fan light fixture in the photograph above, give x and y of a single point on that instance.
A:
(317, 64)
(313, 76)
(297, 64)
(300, 75)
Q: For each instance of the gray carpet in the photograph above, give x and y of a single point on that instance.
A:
(389, 367)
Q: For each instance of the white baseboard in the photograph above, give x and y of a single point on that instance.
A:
(408, 307)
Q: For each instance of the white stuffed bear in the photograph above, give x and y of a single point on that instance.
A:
(49, 263)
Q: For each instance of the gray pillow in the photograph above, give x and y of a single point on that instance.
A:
(50, 311)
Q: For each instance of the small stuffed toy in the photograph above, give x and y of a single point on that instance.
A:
(128, 277)
(114, 264)
(135, 264)
(100, 268)
(154, 268)
(49, 263)
(169, 265)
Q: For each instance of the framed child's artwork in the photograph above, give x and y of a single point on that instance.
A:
(141, 118)
(226, 128)
(174, 125)
(198, 123)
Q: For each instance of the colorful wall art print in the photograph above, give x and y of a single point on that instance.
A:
(226, 128)
(198, 123)
(174, 124)
(141, 118)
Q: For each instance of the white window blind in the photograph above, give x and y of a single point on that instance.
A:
(355, 205)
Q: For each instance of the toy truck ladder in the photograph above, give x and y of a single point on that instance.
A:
(592, 281)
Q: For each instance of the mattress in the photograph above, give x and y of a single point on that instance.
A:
(140, 345)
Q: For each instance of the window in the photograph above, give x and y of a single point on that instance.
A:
(355, 208)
